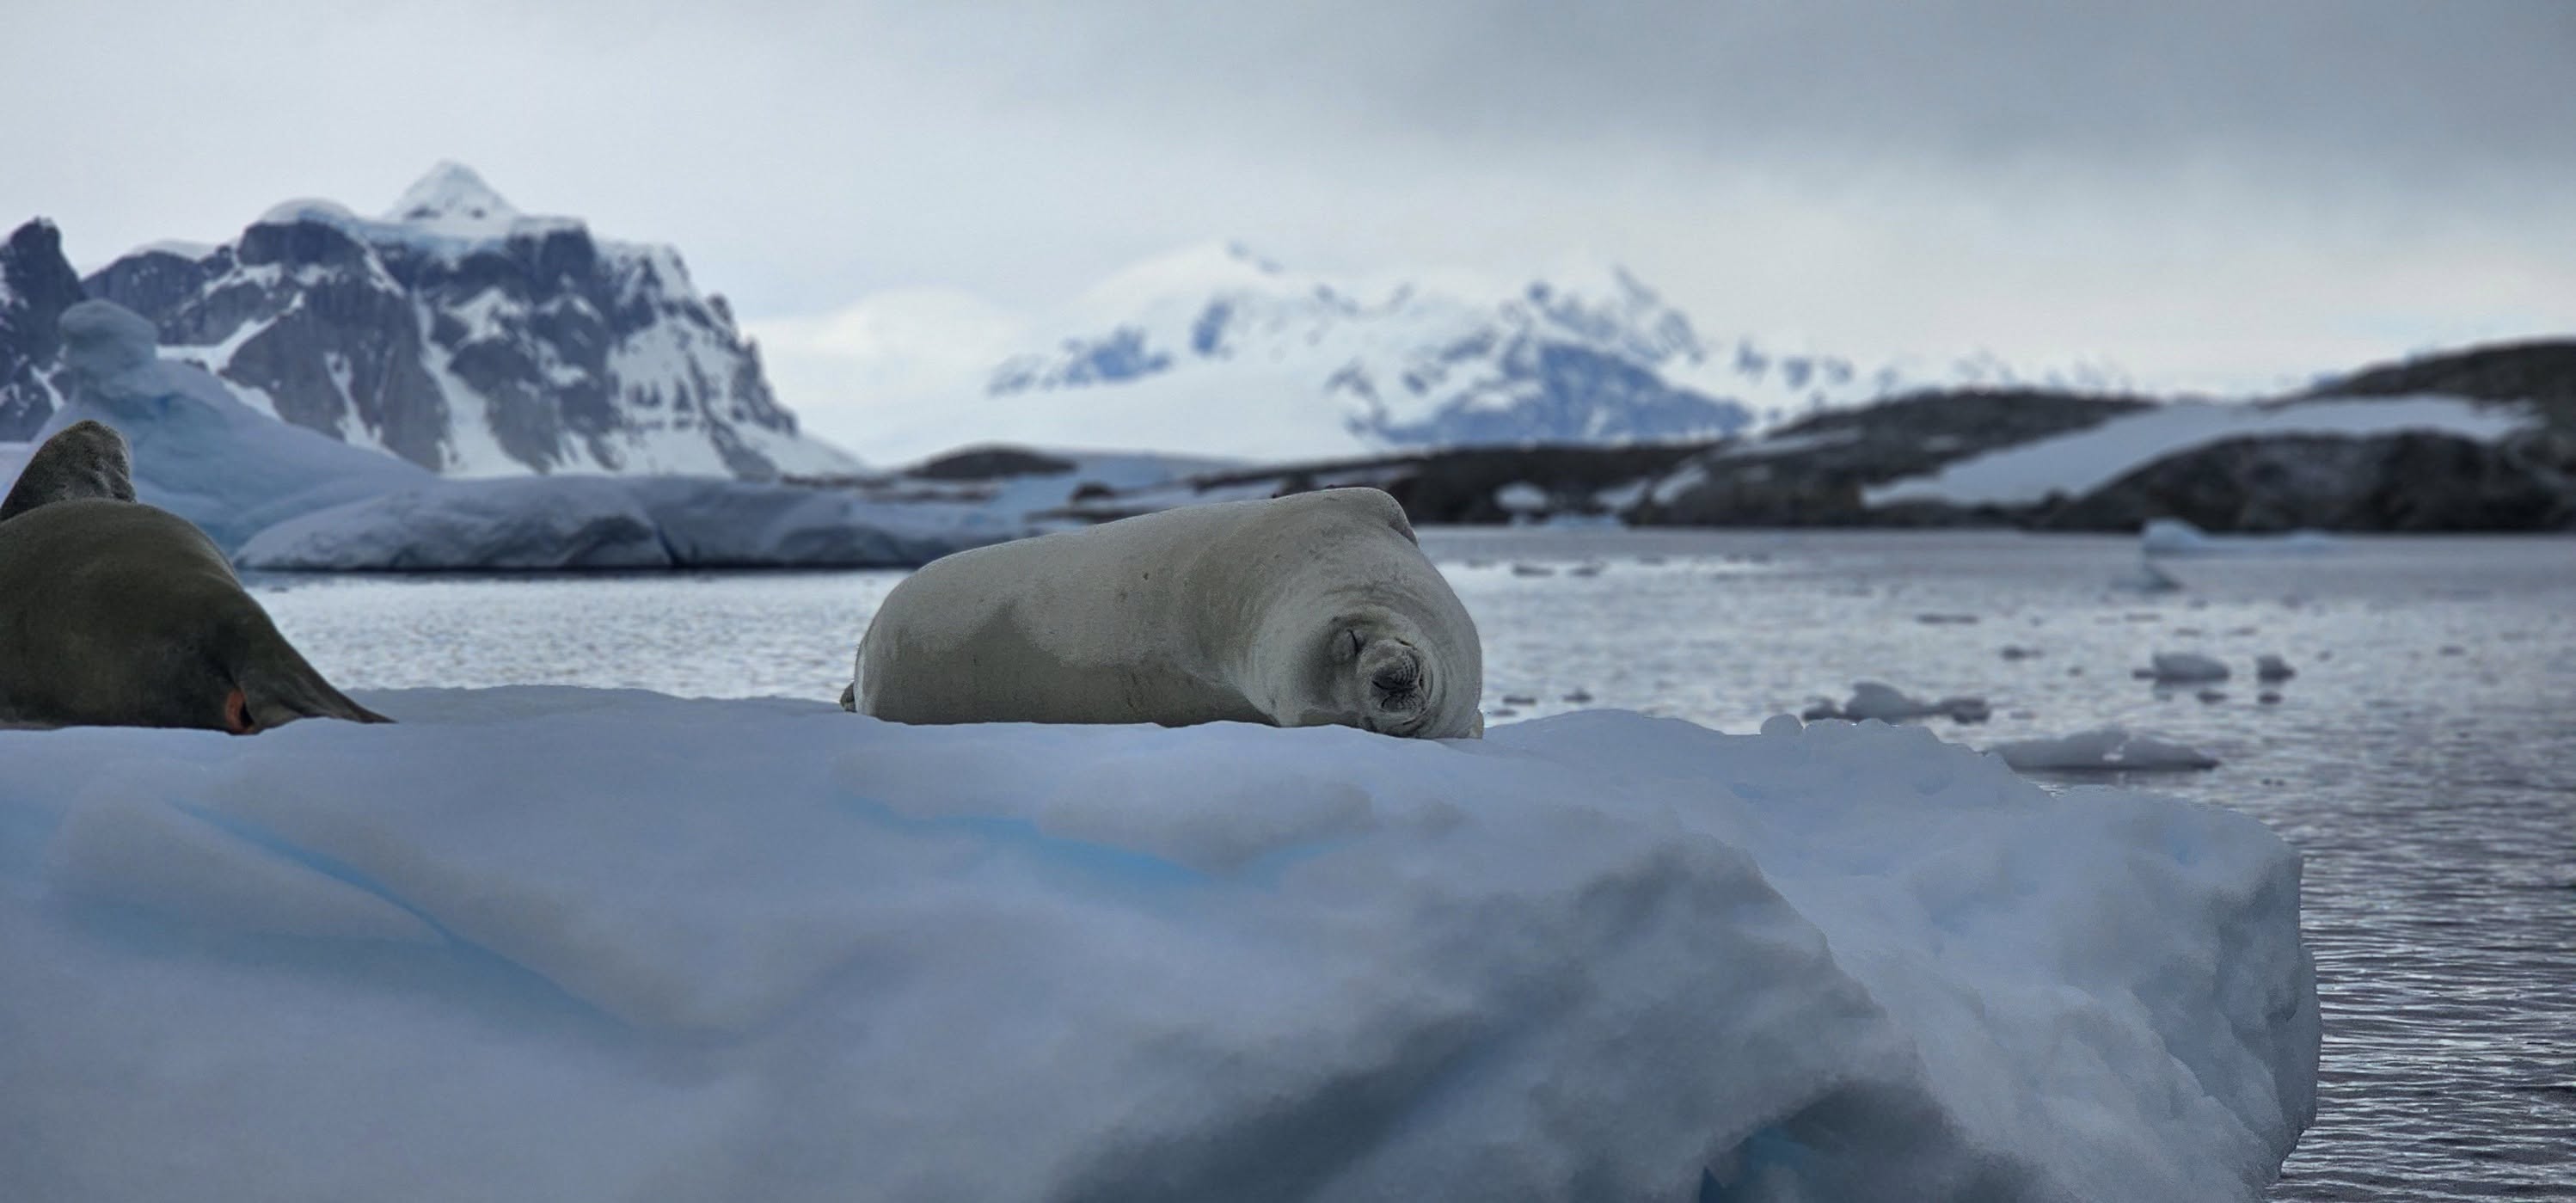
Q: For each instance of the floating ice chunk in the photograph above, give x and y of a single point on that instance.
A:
(2272, 668)
(1886, 703)
(2186, 668)
(2145, 578)
(1521, 498)
(2103, 750)
(2174, 537)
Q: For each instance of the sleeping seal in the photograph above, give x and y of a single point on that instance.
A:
(1299, 611)
(114, 613)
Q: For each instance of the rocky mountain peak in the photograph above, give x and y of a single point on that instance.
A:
(36, 285)
(471, 339)
(452, 194)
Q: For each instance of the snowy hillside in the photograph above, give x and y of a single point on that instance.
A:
(1217, 350)
(466, 337)
(2080, 462)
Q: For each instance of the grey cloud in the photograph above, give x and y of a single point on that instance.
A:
(2353, 84)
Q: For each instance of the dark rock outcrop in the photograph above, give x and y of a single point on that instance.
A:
(2405, 482)
(990, 463)
(36, 285)
(2541, 372)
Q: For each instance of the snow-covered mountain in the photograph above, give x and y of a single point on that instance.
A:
(1217, 350)
(464, 336)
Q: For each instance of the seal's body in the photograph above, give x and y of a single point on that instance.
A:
(115, 613)
(1298, 611)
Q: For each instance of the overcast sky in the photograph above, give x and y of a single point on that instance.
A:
(2219, 194)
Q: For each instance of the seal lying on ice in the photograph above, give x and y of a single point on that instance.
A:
(1299, 611)
(113, 613)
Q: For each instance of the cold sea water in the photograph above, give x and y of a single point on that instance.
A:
(2423, 759)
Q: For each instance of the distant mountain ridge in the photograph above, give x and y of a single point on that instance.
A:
(1226, 352)
(36, 285)
(2539, 371)
(466, 337)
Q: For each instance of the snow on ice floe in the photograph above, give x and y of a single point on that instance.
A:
(2109, 749)
(2145, 578)
(2078, 463)
(584, 944)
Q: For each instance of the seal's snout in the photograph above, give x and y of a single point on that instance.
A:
(1394, 674)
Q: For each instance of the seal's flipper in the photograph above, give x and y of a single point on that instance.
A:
(273, 699)
(273, 685)
(84, 459)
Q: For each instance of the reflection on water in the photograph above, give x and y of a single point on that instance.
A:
(2424, 757)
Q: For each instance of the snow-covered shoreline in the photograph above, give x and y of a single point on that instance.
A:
(585, 944)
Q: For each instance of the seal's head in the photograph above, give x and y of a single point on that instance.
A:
(1383, 680)
(84, 459)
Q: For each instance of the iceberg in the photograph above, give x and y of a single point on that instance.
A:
(582, 944)
(199, 452)
(2175, 537)
(275, 495)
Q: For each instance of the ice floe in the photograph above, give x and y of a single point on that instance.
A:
(2184, 668)
(2103, 750)
(591, 945)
